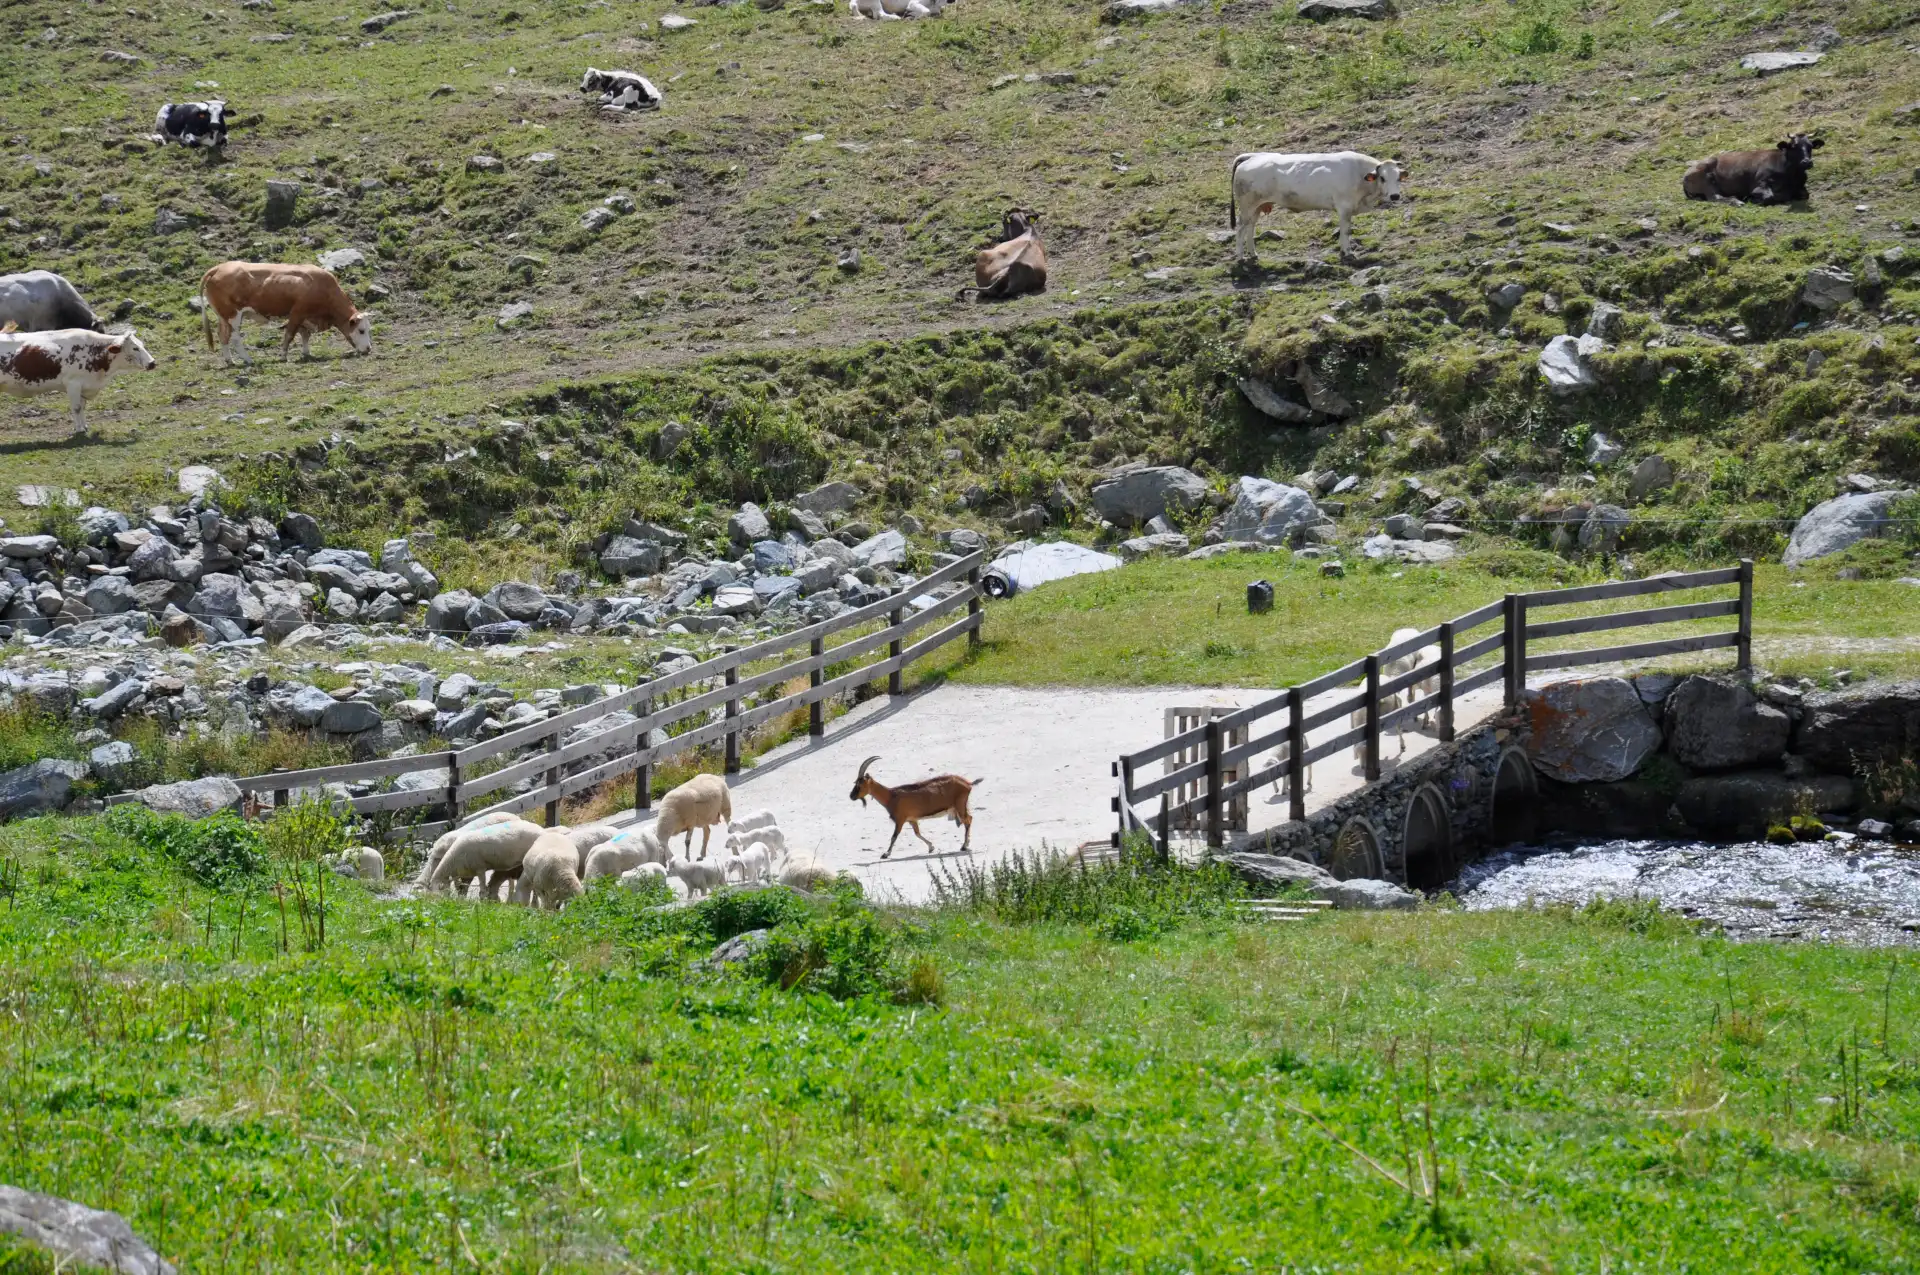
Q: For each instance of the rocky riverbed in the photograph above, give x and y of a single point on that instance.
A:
(1848, 890)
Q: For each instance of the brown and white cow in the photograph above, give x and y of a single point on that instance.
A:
(1777, 176)
(73, 359)
(308, 298)
(1016, 265)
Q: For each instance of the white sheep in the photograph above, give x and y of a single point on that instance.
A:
(806, 874)
(586, 838)
(636, 877)
(699, 803)
(758, 819)
(698, 876)
(1390, 669)
(772, 838)
(752, 864)
(368, 864)
(446, 839)
(548, 874)
(624, 853)
(495, 848)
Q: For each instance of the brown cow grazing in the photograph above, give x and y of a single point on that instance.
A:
(1778, 176)
(308, 298)
(1016, 265)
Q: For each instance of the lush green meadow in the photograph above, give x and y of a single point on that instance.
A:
(1003, 1084)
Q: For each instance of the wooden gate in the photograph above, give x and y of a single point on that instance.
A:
(1192, 814)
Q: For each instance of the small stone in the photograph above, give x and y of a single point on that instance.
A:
(484, 164)
(282, 199)
(513, 313)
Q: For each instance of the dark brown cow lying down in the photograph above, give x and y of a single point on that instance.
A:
(1016, 265)
(1777, 176)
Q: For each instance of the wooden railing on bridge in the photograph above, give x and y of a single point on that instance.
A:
(648, 701)
(1292, 721)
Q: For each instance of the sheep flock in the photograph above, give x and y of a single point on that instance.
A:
(504, 856)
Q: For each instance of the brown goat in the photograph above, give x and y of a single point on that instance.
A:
(910, 803)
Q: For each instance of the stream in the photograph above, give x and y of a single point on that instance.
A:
(1836, 891)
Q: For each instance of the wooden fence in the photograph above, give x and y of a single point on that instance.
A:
(1445, 677)
(461, 786)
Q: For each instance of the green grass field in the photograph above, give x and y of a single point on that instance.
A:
(1006, 1086)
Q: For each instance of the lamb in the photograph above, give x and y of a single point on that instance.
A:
(489, 848)
(752, 864)
(772, 838)
(758, 819)
(1392, 669)
(549, 877)
(703, 877)
(622, 854)
(635, 877)
(699, 803)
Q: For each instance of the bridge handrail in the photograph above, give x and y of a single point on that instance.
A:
(1293, 753)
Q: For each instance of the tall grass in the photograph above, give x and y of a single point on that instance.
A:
(1129, 896)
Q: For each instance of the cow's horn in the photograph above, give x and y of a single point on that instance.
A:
(863, 767)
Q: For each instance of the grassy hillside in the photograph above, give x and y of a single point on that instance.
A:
(1545, 142)
(1006, 1084)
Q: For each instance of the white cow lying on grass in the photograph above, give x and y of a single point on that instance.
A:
(1344, 182)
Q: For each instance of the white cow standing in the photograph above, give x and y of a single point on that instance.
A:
(1344, 182)
(73, 359)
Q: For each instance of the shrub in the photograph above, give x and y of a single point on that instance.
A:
(846, 953)
(308, 830)
(220, 851)
(732, 912)
(1132, 897)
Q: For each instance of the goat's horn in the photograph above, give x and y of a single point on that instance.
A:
(863, 766)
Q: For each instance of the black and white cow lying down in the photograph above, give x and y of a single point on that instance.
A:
(621, 90)
(192, 123)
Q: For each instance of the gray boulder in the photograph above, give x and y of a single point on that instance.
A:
(1743, 804)
(1605, 320)
(153, 560)
(1322, 10)
(888, 549)
(518, 599)
(38, 788)
(194, 798)
(736, 599)
(1168, 544)
(1268, 512)
(748, 524)
(1142, 494)
(301, 529)
(74, 1233)
(219, 594)
(111, 595)
(1564, 367)
(1716, 725)
(1275, 871)
(23, 547)
(349, 717)
(1827, 289)
(464, 724)
(741, 947)
(308, 704)
(454, 691)
(113, 761)
(1601, 531)
(1779, 60)
(1845, 731)
(113, 701)
(1655, 473)
(1272, 403)
(282, 198)
(447, 613)
(483, 613)
(343, 606)
(382, 608)
(1590, 730)
(396, 557)
(626, 556)
(828, 498)
(1841, 523)
(771, 555)
(498, 634)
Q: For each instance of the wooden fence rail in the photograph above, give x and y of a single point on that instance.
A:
(455, 783)
(1200, 757)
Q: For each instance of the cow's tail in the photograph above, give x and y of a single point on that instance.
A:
(206, 323)
(1233, 205)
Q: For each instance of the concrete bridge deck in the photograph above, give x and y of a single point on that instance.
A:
(1043, 757)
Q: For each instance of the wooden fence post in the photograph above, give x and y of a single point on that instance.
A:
(280, 795)
(1123, 771)
(973, 605)
(453, 789)
(1371, 766)
(1165, 846)
(1296, 755)
(1745, 649)
(553, 778)
(643, 773)
(1510, 609)
(1446, 682)
(817, 711)
(733, 736)
(894, 684)
(1216, 833)
(1519, 648)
